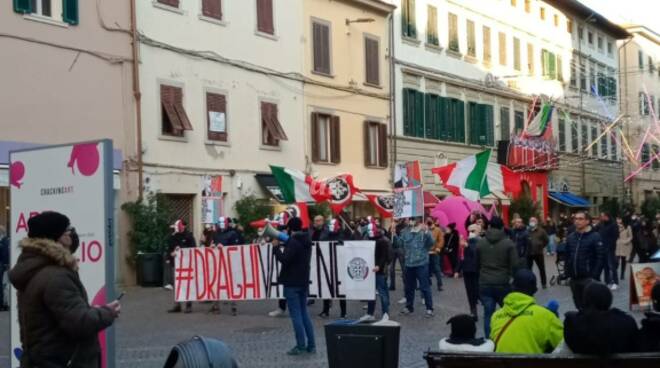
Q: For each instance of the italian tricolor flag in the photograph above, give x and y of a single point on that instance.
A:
(475, 177)
(297, 187)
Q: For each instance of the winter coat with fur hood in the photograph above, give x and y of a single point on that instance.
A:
(57, 324)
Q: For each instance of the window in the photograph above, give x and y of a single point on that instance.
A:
(609, 48)
(574, 137)
(599, 43)
(549, 64)
(487, 57)
(528, 6)
(612, 147)
(174, 120)
(602, 85)
(594, 135)
(584, 137)
(542, 13)
(651, 66)
(518, 121)
(583, 77)
(640, 59)
(453, 32)
(375, 144)
(413, 113)
(505, 124)
(481, 124)
(573, 74)
(646, 153)
(516, 54)
(502, 39)
(569, 26)
(321, 45)
(408, 18)
(216, 117)
(265, 22)
(59, 10)
(530, 59)
(643, 104)
(562, 135)
(655, 164)
(592, 77)
(603, 146)
(555, 20)
(560, 69)
(325, 138)
(172, 3)
(590, 38)
(271, 129)
(471, 39)
(580, 33)
(213, 9)
(432, 26)
(371, 60)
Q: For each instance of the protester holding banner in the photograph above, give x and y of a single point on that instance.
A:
(383, 258)
(417, 241)
(295, 254)
(181, 238)
(58, 326)
(225, 235)
(320, 232)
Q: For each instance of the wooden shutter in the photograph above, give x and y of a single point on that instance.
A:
(180, 110)
(432, 25)
(174, 3)
(505, 124)
(530, 58)
(460, 121)
(502, 39)
(23, 6)
(70, 11)
(486, 41)
(443, 119)
(265, 16)
(419, 114)
(490, 124)
(321, 48)
(429, 115)
(371, 61)
(315, 137)
(516, 54)
(335, 140)
(382, 145)
(171, 123)
(471, 39)
(453, 32)
(218, 103)
(212, 8)
(474, 122)
(367, 145)
(408, 103)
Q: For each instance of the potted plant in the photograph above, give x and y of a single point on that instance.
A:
(150, 231)
(251, 209)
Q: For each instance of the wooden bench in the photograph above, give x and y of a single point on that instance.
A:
(492, 360)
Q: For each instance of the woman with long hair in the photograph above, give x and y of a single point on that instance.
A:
(624, 243)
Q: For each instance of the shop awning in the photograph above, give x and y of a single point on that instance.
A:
(569, 199)
(268, 183)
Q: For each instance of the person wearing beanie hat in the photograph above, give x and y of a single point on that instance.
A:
(295, 255)
(599, 329)
(382, 258)
(57, 324)
(649, 335)
(463, 337)
(522, 326)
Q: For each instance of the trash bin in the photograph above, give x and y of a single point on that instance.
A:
(358, 345)
(150, 269)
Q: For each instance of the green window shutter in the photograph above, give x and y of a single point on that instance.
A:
(519, 122)
(419, 114)
(408, 116)
(443, 119)
(489, 124)
(505, 124)
(70, 11)
(23, 6)
(430, 116)
(474, 113)
(602, 89)
(459, 122)
(545, 60)
(451, 120)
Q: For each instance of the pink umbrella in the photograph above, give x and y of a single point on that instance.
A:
(456, 209)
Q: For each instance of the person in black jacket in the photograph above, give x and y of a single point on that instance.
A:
(609, 234)
(295, 255)
(649, 335)
(584, 256)
(181, 238)
(597, 329)
(470, 268)
(58, 327)
(383, 258)
(321, 232)
(450, 250)
(225, 233)
(4, 265)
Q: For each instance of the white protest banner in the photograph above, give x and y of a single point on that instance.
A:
(75, 180)
(249, 272)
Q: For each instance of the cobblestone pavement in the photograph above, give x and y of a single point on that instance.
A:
(146, 333)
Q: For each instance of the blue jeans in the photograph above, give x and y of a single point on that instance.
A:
(383, 293)
(401, 257)
(552, 243)
(435, 269)
(414, 275)
(296, 299)
(490, 296)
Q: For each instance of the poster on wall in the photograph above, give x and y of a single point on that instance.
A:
(75, 180)
(211, 199)
(644, 276)
(249, 272)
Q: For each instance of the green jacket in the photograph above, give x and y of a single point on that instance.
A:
(496, 257)
(536, 330)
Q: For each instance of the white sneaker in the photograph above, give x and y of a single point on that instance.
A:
(168, 287)
(367, 318)
(386, 317)
(402, 301)
(276, 313)
(429, 313)
(614, 287)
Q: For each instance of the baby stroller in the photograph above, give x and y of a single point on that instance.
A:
(560, 262)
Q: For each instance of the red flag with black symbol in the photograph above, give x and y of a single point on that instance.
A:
(384, 204)
(341, 190)
(301, 211)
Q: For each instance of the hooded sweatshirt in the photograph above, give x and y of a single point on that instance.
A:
(496, 258)
(535, 329)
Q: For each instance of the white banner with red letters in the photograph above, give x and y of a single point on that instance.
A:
(249, 272)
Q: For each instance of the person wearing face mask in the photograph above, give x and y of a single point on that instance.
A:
(181, 238)
(450, 250)
(383, 257)
(58, 326)
(320, 232)
(470, 269)
(538, 241)
(435, 253)
(416, 243)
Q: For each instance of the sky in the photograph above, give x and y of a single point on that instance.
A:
(645, 12)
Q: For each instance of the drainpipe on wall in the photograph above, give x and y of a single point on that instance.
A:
(392, 99)
(138, 99)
